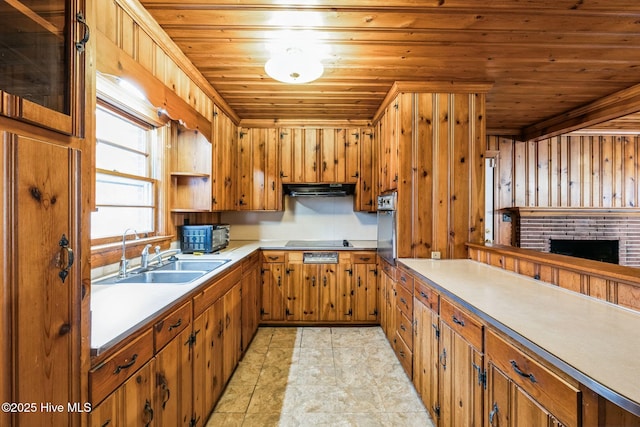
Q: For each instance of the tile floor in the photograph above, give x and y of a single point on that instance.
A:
(320, 376)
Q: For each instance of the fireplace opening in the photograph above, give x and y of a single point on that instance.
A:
(598, 250)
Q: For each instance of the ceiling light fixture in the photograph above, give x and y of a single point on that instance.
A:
(294, 66)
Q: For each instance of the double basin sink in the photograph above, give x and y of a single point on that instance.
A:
(179, 272)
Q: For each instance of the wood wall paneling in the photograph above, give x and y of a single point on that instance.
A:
(574, 170)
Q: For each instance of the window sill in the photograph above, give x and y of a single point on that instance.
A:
(111, 253)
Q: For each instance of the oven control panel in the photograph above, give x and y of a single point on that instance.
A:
(320, 257)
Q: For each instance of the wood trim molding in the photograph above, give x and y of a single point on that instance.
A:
(144, 19)
(115, 62)
(567, 211)
(430, 87)
(598, 269)
(302, 123)
(610, 107)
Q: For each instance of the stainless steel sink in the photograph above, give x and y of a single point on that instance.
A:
(190, 265)
(175, 277)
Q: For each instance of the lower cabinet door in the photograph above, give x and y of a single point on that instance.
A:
(106, 413)
(173, 382)
(461, 400)
(137, 399)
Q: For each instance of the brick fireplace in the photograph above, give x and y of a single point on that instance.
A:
(535, 228)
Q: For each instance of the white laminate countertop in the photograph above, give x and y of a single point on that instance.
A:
(118, 309)
(596, 342)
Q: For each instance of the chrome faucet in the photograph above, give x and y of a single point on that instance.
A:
(158, 257)
(122, 273)
(144, 257)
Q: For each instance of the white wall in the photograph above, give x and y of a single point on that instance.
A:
(305, 218)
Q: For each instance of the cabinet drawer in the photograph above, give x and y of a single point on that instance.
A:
(363, 257)
(462, 322)
(404, 328)
(426, 295)
(404, 354)
(171, 325)
(108, 375)
(269, 257)
(552, 392)
(388, 269)
(405, 280)
(404, 301)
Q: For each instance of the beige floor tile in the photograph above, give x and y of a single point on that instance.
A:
(281, 356)
(261, 420)
(267, 400)
(312, 375)
(274, 376)
(246, 374)
(320, 377)
(226, 419)
(408, 419)
(235, 399)
(315, 356)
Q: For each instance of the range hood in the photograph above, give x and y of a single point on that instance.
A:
(318, 190)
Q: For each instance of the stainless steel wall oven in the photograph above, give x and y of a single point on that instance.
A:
(387, 244)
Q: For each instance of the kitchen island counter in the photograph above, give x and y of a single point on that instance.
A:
(593, 341)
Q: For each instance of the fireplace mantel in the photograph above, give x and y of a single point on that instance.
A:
(572, 212)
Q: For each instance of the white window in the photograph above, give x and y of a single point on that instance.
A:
(126, 189)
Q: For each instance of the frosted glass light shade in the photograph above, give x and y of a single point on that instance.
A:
(293, 66)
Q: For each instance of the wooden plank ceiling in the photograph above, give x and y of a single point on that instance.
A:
(544, 57)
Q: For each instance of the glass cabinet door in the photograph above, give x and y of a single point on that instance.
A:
(37, 56)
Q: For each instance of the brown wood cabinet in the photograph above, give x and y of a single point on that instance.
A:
(273, 286)
(319, 155)
(431, 152)
(132, 404)
(365, 286)
(250, 295)
(426, 346)
(44, 84)
(461, 366)
(344, 292)
(224, 162)
(208, 355)
(367, 188)
(387, 128)
(522, 392)
(259, 170)
(173, 382)
(42, 293)
(388, 296)
(232, 339)
(190, 171)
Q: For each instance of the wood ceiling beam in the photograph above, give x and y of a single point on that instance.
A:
(616, 105)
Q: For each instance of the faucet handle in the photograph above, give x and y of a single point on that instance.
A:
(145, 251)
(157, 249)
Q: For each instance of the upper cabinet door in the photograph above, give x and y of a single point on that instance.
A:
(41, 73)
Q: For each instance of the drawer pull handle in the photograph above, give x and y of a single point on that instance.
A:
(175, 325)
(517, 370)
(492, 414)
(403, 279)
(272, 257)
(457, 321)
(402, 300)
(129, 364)
(423, 295)
(403, 328)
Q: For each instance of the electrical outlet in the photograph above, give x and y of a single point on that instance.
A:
(435, 255)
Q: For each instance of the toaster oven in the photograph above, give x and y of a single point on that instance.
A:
(203, 238)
